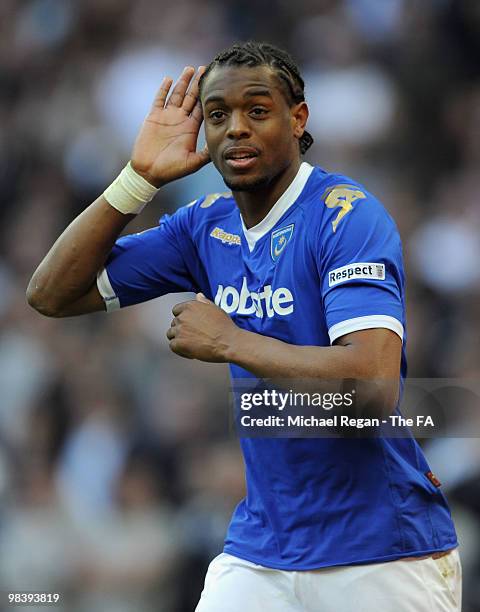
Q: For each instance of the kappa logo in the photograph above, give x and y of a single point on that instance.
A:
(356, 270)
(279, 240)
(225, 237)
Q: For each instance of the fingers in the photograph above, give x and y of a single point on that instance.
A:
(191, 97)
(197, 112)
(162, 92)
(182, 95)
(178, 94)
(175, 344)
(178, 308)
(177, 348)
(199, 159)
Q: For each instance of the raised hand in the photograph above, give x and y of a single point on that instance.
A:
(166, 146)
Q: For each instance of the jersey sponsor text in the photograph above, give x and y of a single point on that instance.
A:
(266, 302)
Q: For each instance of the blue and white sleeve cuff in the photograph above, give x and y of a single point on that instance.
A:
(367, 322)
(106, 291)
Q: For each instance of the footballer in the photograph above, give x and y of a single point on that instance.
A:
(298, 274)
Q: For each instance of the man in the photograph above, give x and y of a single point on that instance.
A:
(298, 275)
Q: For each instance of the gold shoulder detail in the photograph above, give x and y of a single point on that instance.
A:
(213, 197)
(341, 196)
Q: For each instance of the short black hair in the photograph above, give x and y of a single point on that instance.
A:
(264, 54)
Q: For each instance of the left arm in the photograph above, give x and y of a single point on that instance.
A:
(201, 330)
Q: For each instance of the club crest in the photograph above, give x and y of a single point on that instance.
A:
(279, 240)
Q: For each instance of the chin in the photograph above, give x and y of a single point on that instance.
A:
(246, 183)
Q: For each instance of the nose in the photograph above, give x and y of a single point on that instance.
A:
(238, 126)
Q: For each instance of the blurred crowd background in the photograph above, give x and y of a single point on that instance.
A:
(118, 468)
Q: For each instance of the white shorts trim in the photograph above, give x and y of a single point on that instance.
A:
(367, 322)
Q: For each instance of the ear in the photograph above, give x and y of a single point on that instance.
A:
(299, 114)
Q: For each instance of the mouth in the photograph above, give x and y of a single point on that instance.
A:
(240, 158)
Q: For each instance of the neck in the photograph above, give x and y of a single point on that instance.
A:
(255, 205)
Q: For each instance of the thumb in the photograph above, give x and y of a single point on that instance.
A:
(202, 298)
(200, 158)
(205, 154)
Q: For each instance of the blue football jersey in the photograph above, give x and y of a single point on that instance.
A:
(324, 262)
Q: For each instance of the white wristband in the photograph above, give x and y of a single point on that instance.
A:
(129, 193)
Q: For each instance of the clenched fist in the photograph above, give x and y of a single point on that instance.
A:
(201, 330)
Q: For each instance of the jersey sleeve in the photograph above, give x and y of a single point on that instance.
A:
(149, 264)
(359, 259)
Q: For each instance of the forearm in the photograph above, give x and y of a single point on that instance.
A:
(317, 368)
(70, 267)
(271, 358)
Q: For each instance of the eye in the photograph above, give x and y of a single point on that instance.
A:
(216, 115)
(258, 111)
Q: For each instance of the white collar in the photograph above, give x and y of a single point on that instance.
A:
(280, 207)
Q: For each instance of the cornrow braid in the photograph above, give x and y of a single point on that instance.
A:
(263, 54)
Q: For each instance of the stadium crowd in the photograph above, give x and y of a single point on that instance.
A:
(119, 469)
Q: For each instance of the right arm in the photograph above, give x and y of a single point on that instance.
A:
(64, 283)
